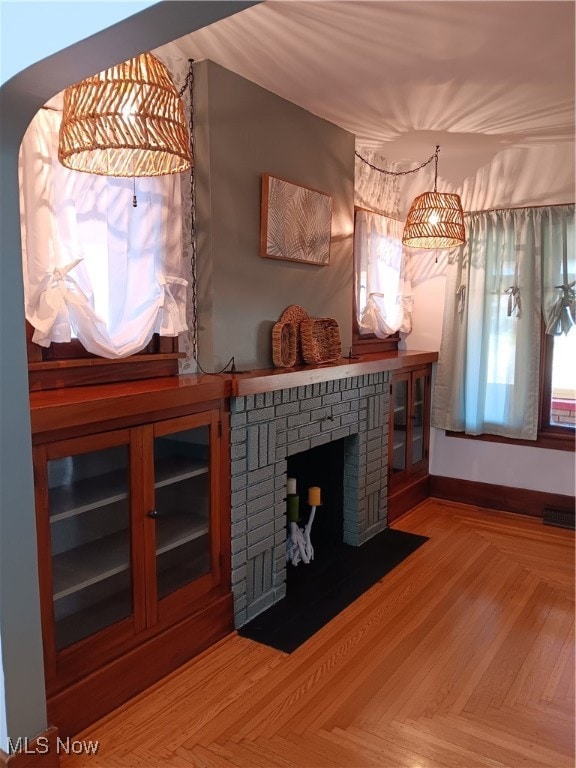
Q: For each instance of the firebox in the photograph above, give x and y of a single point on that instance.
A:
(322, 467)
(275, 435)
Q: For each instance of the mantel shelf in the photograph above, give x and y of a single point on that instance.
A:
(271, 379)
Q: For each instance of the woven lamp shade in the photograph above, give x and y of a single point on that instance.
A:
(435, 220)
(125, 121)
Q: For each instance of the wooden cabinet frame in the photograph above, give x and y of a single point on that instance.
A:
(412, 484)
(86, 679)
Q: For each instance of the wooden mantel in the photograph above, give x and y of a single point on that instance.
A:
(270, 379)
(80, 407)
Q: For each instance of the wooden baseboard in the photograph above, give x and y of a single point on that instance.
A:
(43, 751)
(504, 497)
(88, 700)
(406, 497)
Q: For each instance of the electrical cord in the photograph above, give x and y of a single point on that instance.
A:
(222, 370)
(230, 363)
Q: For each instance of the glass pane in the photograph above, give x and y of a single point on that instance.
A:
(418, 419)
(182, 481)
(563, 402)
(400, 418)
(88, 496)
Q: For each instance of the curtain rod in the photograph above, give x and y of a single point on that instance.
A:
(517, 208)
(472, 213)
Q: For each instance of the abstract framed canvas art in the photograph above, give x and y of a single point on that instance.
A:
(296, 222)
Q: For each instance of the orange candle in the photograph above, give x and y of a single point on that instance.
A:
(314, 496)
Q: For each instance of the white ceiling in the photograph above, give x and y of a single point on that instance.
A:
(478, 78)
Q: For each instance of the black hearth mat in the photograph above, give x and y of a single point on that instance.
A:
(319, 591)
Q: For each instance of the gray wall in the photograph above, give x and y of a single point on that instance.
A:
(242, 131)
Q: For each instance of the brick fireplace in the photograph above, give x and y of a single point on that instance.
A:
(269, 427)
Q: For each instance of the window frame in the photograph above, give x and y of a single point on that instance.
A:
(549, 435)
(69, 364)
(366, 343)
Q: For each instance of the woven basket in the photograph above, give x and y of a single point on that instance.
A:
(295, 314)
(320, 337)
(284, 343)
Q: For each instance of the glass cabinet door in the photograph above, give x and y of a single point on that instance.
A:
(399, 424)
(89, 523)
(182, 508)
(418, 415)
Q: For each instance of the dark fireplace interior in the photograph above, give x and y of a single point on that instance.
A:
(322, 466)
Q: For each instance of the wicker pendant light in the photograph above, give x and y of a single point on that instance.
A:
(435, 219)
(125, 121)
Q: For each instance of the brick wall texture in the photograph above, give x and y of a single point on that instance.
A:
(563, 412)
(265, 430)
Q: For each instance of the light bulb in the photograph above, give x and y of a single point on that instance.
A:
(434, 218)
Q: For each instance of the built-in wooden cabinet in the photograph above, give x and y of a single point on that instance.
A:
(133, 539)
(408, 478)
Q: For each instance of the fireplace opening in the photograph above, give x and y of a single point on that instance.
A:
(323, 467)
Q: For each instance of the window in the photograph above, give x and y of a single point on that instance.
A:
(96, 268)
(382, 295)
(507, 352)
(558, 407)
(563, 396)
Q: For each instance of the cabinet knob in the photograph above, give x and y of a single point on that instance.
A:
(153, 513)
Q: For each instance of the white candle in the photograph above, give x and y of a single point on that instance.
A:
(291, 486)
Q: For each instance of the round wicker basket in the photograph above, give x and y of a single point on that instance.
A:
(284, 342)
(295, 314)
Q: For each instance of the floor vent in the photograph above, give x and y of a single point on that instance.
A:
(559, 517)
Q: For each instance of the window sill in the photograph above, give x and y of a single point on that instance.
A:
(555, 441)
(55, 374)
(369, 344)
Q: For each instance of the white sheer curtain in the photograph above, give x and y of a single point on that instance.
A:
(96, 267)
(488, 373)
(383, 289)
(558, 270)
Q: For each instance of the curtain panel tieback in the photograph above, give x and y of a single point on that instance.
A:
(172, 316)
(377, 314)
(461, 299)
(49, 302)
(514, 300)
(563, 311)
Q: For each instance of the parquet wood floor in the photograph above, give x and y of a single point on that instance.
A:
(461, 657)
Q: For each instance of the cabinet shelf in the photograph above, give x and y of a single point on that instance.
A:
(88, 494)
(176, 531)
(100, 491)
(83, 566)
(178, 468)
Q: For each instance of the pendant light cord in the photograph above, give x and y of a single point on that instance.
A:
(231, 365)
(403, 173)
(189, 83)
